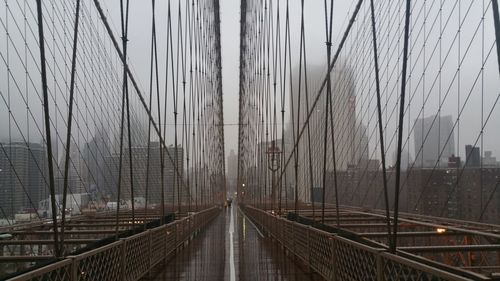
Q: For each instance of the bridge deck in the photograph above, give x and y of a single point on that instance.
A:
(250, 256)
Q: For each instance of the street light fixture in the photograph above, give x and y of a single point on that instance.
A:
(274, 165)
(241, 193)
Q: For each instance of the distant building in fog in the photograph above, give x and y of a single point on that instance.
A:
(406, 159)
(22, 171)
(232, 171)
(434, 141)
(94, 154)
(148, 178)
(426, 191)
(350, 134)
(76, 182)
(472, 156)
(489, 160)
(454, 161)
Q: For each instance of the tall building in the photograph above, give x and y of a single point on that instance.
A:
(472, 156)
(434, 141)
(406, 159)
(147, 174)
(76, 182)
(174, 175)
(489, 160)
(94, 154)
(350, 134)
(23, 167)
(232, 171)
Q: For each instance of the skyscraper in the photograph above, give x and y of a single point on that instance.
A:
(472, 156)
(351, 140)
(22, 176)
(147, 173)
(434, 141)
(94, 155)
(232, 171)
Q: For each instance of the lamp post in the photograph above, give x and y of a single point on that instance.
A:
(273, 164)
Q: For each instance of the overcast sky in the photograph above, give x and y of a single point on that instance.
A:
(484, 90)
(470, 49)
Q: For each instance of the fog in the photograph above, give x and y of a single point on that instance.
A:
(470, 93)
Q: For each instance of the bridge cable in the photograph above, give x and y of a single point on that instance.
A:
(496, 20)
(328, 111)
(283, 98)
(70, 119)
(47, 127)
(380, 120)
(400, 129)
(132, 79)
(124, 93)
(153, 72)
(322, 85)
(303, 51)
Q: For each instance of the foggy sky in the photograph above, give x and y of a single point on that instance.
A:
(139, 46)
(316, 55)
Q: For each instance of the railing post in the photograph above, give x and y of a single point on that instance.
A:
(74, 268)
(380, 267)
(309, 246)
(123, 259)
(294, 242)
(334, 258)
(150, 251)
(165, 249)
(176, 232)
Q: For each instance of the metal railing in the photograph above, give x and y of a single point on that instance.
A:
(129, 258)
(338, 258)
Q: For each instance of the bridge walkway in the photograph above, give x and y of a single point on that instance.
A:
(232, 248)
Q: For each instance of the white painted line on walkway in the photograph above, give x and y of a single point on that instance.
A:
(232, 273)
(251, 222)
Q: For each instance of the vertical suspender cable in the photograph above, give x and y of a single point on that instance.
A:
(329, 111)
(124, 93)
(127, 97)
(298, 115)
(306, 82)
(380, 120)
(175, 95)
(283, 95)
(153, 50)
(400, 129)
(120, 161)
(240, 178)
(47, 127)
(70, 119)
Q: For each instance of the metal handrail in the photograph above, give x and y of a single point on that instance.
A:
(110, 262)
(338, 258)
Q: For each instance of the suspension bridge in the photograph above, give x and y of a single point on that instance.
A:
(368, 145)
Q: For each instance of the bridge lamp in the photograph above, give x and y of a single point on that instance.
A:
(440, 230)
(274, 164)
